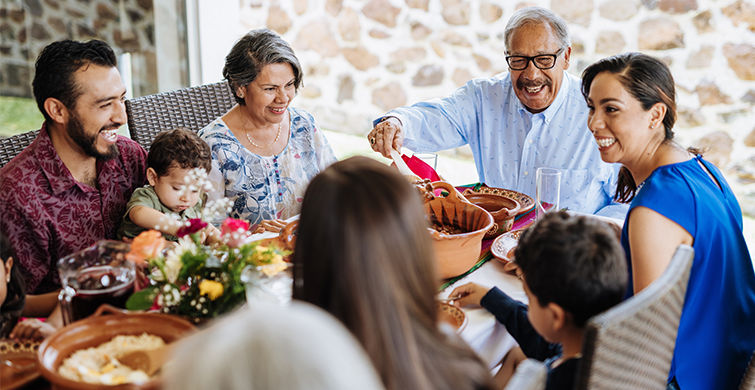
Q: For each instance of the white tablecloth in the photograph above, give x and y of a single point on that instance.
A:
(483, 332)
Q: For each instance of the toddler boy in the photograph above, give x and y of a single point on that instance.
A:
(572, 268)
(171, 190)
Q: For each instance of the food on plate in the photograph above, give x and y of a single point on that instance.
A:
(100, 364)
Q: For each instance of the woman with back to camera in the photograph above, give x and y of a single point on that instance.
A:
(264, 152)
(681, 199)
(364, 254)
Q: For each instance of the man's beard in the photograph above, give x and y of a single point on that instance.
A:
(89, 143)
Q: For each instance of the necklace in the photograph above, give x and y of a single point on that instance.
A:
(243, 124)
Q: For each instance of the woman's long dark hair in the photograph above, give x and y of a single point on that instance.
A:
(649, 81)
(363, 253)
(15, 299)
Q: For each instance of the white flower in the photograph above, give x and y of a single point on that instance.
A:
(173, 262)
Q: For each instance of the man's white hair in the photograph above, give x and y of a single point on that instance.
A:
(537, 15)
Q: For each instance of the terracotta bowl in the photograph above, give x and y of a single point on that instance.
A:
(456, 253)
(98, 329)
(526, 201)
(502, 209)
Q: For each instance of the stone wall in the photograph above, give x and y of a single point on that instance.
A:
(362, 58)
(27, 26)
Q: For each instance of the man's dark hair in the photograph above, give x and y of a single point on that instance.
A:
(178, 148)
(58, 62)
(575, 262)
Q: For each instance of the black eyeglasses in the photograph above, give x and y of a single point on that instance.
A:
(543, 61)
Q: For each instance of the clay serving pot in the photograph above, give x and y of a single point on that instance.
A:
(456, 253)
(502, 209)
(98, 329)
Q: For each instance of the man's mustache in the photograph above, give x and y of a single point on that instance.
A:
(521, 84)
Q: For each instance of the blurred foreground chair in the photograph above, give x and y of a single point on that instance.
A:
(191, 108)
(530, 375)
(630, 346)
(10, 147)
(748, 382)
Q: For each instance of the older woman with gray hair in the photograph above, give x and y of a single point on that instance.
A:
(264, 152)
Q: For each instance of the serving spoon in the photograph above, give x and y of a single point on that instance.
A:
(148, 361)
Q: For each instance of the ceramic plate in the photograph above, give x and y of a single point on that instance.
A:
(525, 200)
(503, 246)
(23, 357)
(452, 315)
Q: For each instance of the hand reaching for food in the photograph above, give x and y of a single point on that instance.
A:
(468, 294)
(32, 329)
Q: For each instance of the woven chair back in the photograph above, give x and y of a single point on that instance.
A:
(630, 346)
(10, 147)
(190, 108)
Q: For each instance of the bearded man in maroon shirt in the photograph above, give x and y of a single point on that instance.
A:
(70, 187)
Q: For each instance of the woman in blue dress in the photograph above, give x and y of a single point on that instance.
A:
(264, 152)
(681, 199)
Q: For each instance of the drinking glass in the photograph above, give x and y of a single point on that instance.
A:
(430, 159)
(93, 276)
(264, 286)
(548, 191)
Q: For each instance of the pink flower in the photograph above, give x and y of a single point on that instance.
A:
(234, 231)
(194, 226)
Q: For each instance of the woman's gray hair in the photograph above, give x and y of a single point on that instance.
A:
(536, 16)
(252, 52)
(272, 347)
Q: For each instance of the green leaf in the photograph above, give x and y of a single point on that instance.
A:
(142, 300)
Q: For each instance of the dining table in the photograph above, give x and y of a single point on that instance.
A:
(482, 332)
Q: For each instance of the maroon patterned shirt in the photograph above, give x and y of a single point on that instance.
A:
(47, 214)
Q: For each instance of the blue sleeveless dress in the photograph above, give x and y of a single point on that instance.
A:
(717, 330)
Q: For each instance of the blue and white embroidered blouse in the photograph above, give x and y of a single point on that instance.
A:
(266, 187)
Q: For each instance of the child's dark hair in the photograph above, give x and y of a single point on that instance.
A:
(178, 148)
(10, 309)
(575, 262)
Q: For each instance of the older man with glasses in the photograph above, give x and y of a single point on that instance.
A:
(515, 122)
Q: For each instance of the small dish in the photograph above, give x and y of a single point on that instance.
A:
(23, 369)
(525, 201)
(503, 246)
(452, 315)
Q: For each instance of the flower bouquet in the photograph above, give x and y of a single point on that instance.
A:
(200, 281)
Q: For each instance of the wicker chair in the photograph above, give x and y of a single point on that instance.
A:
(191, 108)
(748, 382)
(630, 346)
(530, 375)
(12, 146)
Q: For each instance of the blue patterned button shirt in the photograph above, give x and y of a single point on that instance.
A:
(266, 187)
(509, 143)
